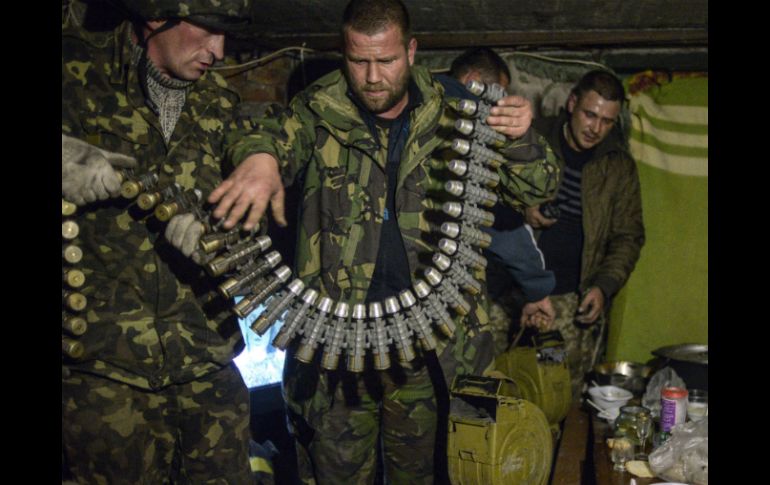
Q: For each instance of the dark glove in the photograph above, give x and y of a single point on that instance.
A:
(87, 172)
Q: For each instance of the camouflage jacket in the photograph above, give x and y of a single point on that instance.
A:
(322, 140)
(153, 316)
(613, 230)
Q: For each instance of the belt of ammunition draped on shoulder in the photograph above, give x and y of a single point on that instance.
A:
(73, 302)
(339, 329)
(384, 326)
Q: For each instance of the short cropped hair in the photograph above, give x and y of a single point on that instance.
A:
(482, 59)
(373, 16)
(605, 83)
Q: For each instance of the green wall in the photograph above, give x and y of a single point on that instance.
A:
(665, 302)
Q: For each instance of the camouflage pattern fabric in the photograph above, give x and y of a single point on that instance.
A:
(322, 136)
(154, 318)
(162, 9)
(195, 433)
(339, 417)
(504, 314)
(322, 140)
(338, 430)
(579, 339)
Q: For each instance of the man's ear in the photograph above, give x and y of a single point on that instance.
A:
(411, 49)
(571, 102)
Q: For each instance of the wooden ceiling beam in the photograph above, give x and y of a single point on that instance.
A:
(460, 40)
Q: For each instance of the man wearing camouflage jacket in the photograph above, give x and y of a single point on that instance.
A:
(364, 143)
(155, 396)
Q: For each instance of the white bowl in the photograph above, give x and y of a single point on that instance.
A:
(609, 396)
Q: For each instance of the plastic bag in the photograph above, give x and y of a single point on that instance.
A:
(685, 456)
(665, 377)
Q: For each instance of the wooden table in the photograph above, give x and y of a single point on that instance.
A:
(583, 455)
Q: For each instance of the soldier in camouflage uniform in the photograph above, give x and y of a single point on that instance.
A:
(156, 397)
(364, 142)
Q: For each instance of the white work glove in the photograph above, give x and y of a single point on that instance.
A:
(183, 232)
(87, 172)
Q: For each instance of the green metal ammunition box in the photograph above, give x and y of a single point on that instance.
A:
(541, 375)
(495, 438)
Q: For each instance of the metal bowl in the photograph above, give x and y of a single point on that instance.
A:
(690, 361)
(632, 376)
(695, 353)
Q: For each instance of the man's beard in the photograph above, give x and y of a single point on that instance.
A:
(376, 106)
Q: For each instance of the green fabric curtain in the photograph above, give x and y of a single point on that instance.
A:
(665, 302)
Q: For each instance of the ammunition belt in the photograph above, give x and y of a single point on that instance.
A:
(333, 326)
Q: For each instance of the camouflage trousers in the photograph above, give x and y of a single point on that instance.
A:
(579, 339)
(342, 432)
(197, 432)
(347, 425)
(501, 322)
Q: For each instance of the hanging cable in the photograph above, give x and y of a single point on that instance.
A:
(256, 62)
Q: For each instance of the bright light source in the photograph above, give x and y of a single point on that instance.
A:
(260, 363)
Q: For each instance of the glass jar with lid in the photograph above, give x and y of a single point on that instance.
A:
(634, 423)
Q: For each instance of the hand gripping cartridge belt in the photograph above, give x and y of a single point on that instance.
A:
(331, 327)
